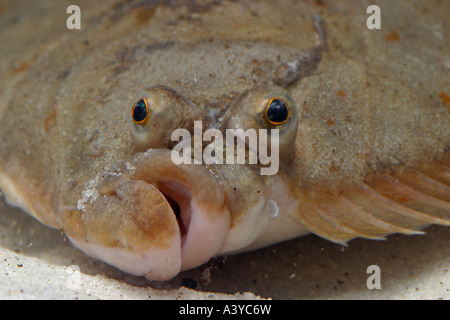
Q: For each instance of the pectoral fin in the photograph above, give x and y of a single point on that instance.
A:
(404, 200)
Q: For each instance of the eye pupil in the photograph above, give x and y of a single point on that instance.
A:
(140, 111)
(277, 112)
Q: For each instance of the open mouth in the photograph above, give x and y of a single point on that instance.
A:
(201, 235)
(179, 197)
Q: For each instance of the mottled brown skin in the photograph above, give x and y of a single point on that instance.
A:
(368, 103)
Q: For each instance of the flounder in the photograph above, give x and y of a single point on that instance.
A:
(87, 117)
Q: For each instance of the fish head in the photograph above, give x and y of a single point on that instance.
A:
(209, 209)
(148, 215)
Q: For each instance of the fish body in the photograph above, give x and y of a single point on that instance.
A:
(363, 149)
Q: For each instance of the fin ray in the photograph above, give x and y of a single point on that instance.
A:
(395, 190)
(436, 170)
(340, 215)
(423, 183)
(404, 201)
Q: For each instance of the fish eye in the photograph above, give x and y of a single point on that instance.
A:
(277, 112)
(153, 114)
(271, 109)
(140, 111)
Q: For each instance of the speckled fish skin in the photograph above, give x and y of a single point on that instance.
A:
(370, 156)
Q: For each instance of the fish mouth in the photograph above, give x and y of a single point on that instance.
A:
(201, 234)
(179, 198)
(179, 217)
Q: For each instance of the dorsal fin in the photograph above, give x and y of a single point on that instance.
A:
(405, 201)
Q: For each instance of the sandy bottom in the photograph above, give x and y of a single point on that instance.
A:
(38, 263)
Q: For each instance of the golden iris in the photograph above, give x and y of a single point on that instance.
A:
(277, 112)
(140, 111)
